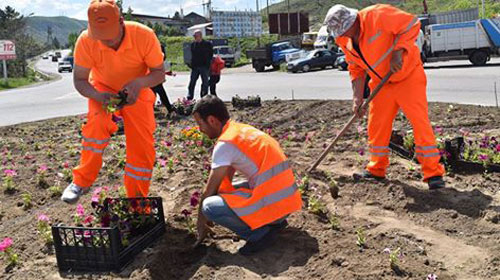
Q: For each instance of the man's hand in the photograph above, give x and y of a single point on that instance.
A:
(202, 229)
(356, 107)
(103, 97)
(132, 89)
(397, 61)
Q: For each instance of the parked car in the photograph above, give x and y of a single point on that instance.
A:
(64, 65)
(340, 63)
(55, 59)
(45, 56)
(314, 59)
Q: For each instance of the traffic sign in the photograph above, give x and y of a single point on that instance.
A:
(7, 50)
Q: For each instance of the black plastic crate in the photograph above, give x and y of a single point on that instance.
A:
(102, 249)
(251, 101)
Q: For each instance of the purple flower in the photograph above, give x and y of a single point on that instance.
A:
(483, 157)
(194, 201)
(186, 213)
(105, 221)
(361, 152)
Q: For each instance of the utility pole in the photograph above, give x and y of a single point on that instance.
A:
(289, 31)
(267, 11)
(482, 4)
(253, 22)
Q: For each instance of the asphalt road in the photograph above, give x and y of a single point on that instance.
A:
(456, 82)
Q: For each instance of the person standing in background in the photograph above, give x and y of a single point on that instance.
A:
(201, 57)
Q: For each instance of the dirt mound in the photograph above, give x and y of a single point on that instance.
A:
(452, 233)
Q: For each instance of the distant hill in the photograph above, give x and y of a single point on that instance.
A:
(61, 27)
(317, 9)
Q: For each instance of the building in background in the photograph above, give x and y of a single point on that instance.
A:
(181, 24)
(195, 18)
(236, 24)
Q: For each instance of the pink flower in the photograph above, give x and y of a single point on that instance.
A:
(80, 211)
(387, 251)
(10, 173)
(360, 129)
(498, 148)
(464, 132)
(199, 143)
(5, 244)
(88, 219)
(95, 198)
(438, 130)
(162, 162)
(43, 218)
(42, 168)
(432, 276)
(65, 164)
(97, 191)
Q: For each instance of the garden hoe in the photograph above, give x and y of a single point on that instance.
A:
(350, 122)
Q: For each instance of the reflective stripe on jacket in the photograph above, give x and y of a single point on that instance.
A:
(272, 193)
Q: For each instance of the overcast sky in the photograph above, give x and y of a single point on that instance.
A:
(78, 8)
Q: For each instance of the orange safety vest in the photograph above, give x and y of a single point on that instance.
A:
(272, 193)
(384, 29)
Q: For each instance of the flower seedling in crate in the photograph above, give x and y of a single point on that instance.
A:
(44, 229)
(361, 238)
(8, 253)
(8, 180)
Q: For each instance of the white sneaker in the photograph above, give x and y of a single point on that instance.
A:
(72, 193)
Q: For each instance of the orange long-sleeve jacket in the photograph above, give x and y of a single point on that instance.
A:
(384, 29)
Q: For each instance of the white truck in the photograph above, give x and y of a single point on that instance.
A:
(324, 40)
(475, 40)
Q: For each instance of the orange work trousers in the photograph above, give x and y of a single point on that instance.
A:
(139, 125)
(410, 96)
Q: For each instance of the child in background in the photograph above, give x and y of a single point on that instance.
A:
(215, 71)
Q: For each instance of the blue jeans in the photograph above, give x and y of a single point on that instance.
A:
(195, 73)
(216, 210)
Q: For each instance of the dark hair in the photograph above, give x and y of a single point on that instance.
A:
(211, 105)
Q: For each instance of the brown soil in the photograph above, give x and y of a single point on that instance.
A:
(453, 233)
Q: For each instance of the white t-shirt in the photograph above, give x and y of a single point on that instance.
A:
(226, 154)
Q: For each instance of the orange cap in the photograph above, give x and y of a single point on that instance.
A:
(104, 20)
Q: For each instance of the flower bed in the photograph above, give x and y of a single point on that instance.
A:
(463, 153)
(126, 227)
(184, 107)
(251, 101)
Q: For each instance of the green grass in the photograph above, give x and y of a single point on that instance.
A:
(32, 77)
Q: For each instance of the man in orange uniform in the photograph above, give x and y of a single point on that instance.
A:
(255, 209)
(376, 40)
(111, 56)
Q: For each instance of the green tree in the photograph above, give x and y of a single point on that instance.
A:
(128, 15)
(72, 37)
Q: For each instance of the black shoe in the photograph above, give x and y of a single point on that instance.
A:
(281, 226)
(366, 175)
(252, 247)
(436, 182)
